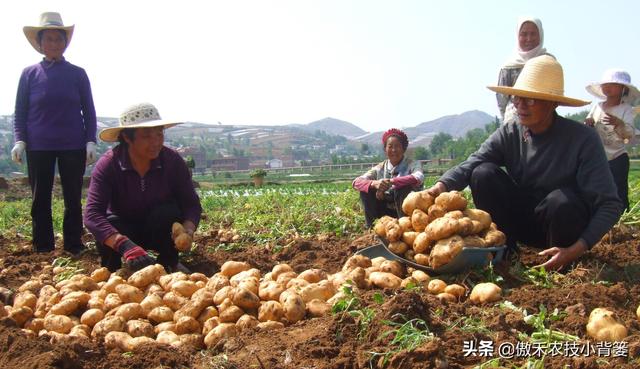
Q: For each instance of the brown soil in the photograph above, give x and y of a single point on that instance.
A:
(607, 277)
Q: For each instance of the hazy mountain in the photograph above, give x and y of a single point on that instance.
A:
(422, 134)
(333, 126)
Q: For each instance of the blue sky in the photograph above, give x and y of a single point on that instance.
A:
(376, 64)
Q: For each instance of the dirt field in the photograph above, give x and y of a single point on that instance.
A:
(333, 341)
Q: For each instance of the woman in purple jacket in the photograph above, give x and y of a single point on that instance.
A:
(138, 190)
(55, 121)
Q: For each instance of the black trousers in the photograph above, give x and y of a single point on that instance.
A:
(620, 170)
(151, 233)
(543, 220)
(374, 208)
(41, 168)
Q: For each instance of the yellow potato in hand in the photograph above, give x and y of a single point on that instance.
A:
(183, 242)
(176, 230)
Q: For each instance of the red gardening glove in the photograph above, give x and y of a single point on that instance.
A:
(135, 256)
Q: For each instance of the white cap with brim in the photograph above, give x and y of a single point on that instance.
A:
(143, 115)
(541, 78)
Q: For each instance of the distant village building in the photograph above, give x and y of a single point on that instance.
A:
(231, 163)
(199, 156)
(274, 163)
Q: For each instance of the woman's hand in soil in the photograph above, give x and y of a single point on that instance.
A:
(562, 256)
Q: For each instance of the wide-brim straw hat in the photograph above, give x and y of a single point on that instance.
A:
(618, 76)
(541, 78)
(143, 115)
(48, 20)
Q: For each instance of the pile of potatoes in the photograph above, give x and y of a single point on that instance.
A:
(437, 228)
(193, 310)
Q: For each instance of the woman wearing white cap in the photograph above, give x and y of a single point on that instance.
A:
(529, 44)
(138, 190)
(555, 191)
(613, 120)
(55, 121)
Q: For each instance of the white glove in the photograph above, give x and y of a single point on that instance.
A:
(91, 152)
(17, 153)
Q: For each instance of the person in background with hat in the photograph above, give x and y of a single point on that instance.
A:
(613, 120)
(55, 121)
(384, 187)
(556, 191)
(529, 44)
(138, 189)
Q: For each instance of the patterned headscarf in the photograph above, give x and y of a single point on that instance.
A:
(404, 140)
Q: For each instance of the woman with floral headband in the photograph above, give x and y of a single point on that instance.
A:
(384, 187)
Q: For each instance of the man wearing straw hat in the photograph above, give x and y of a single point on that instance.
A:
(138, 190)
(556, 191)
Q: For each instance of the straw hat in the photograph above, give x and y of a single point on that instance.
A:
(48, 20)
(541, 78)
(618, 76)
(143, 115)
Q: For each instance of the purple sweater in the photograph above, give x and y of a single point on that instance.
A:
(54, 107)
(116, 188)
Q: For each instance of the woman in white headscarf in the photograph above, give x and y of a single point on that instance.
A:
(529, 44)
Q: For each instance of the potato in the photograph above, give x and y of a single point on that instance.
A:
(638, 312)
(356, 261)
(270, 310)
(251, 284)
(230, 314)
(129, 293)
(466, 227)
(405, 224)
(100, 275)
(187, 324)
(32, 286)
(409, 237)
(398, 247)
(454, 214)
(108, 324)
(166, 337)
(441, 228)
(446, 297)
(394, 267)
(603, 326)
(207, 313)
(21, 315)
(393, 230)
(285, 277)
(231, 268)
(183, 242)
(296, 283)
(436, 211)
(217, 281)
(35, 324)
(160, 314)
(177, 229)
(417, 200)
(147, 275)
(451, 200)
(436, 286)
(294, 307)
(445, 250)
(322, 290)
(139, 328)
(495, 238)
(359, 277)
(421, 276)
(474, 241)
(149, 303)
(193, 341)
(212, 323)
(479, 215)
(222, 331)
(136, 343)
(193, 307)
(174, 300)
(165, 327)
(65, 307)
(269, 325)
(91, 317)
(224, 293)
(184, 288)
(246, 299)
(485, 292)
(419, 220)
(318, 308)
(167, 280)
(26, 298)
(117, 339)
(422, 259)
(80, 330)
(112, 301)
(97, 303)
(385, 280)
(456, 290)
(313, 275)
(422, 243)
(409, 281)
(246, 322)
(130, 311)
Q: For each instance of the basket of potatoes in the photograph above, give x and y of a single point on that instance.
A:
(441, 235)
